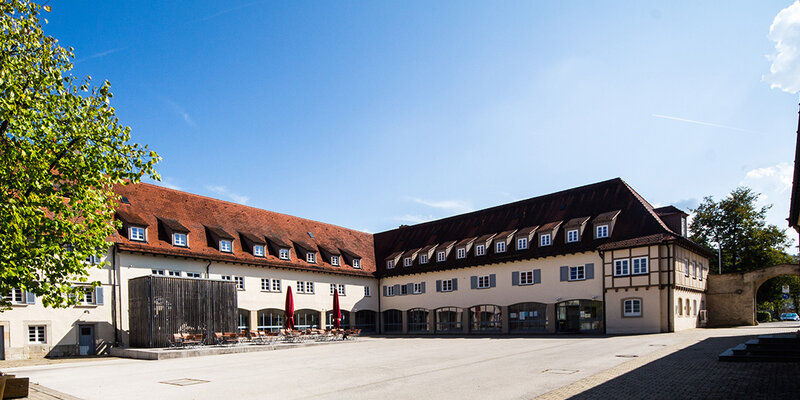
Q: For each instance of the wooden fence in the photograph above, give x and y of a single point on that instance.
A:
(162, 306)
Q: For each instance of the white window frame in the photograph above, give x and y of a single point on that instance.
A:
(686, 266)
(441, 256)
(136, 237)
(484, 282)
(300, 287)
(601, 231)
(37, 334)
(526, 277)
(632, 308)
(545, 240)
(407, 262)
(403, 289)
(333, 288)
(16, 296)
(174, 273)
(356, 263)
(335, 261)
(226, 277)
(366, 292)
(390, 290)
(226, 246)
(480, 250)
(417, 288)
(88, 298)
(258, 250)
(642, 267)
(522, 243)
(423, 258)
(265, 284)
(283, 253)
(461, 252)
(194, 275)
(572, 235)
(447, 285)
(309, 287)
(342, 290)
(276, 285)
(389, 264)
(577, 273)
(694, 270)
(180, 239)
(622, 267)
(311, 257)
(500, 246)
(158, 272)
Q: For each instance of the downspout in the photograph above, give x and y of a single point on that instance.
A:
(669, 288)
(605, 306)
(114, 282)
(380, 313)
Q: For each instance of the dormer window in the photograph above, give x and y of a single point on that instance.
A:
(544, 239)
(389, 264)
(335, 261)
(500, 247)
(258, 250)
(461, 252)
(572, 236)
(311, 257)
(225, 246)
(137, 233)
(441, 256)
(179, 239)
(522, 243)
(407, 262)
(423, 258)
(602, 231)
(356, 263)
(283, 254)
(480, 250)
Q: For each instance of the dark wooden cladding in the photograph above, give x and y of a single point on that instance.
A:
(162, 306)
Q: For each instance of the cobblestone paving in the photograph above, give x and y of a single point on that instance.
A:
(690, 370)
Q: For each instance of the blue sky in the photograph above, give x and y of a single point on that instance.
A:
(375, 114)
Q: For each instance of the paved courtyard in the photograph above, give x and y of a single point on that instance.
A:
(675, 365)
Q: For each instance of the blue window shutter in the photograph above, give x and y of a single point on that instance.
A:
(396, 289)
(30, 298)
(423, 287)
(515, 278)
(590, 271)
(473, 282)
(492, 280)
(564, 274)
(537, 276)
(439, 285)
(385, 291)
(410, 287)
(455, 284)
(98, 295)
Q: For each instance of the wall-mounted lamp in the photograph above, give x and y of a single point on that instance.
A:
(558, 298)
(595, 297)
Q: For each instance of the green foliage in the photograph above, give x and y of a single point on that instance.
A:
(61, 150)
(748, 242)
(763, 316)
(772, 290)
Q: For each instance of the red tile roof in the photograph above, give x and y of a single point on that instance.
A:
(234, 221)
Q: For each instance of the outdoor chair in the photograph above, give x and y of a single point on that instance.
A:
(176, 341)
(189, 340)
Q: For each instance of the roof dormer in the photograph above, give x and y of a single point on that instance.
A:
(134, 226)
(524, 237)
(219, 239)
(306, 251)
(409, 257)
(547, 233)
(503, 240)
(254, 244)
(331, 254)
(352, 259)
(393, 259)
(174, 232)
(573, 229)
(443, 251)
(426, 253)
(603, 224)
(463, 247)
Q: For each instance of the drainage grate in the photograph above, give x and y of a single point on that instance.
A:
(560, 371)
(657, 345)
(627, 355)
(184, 382)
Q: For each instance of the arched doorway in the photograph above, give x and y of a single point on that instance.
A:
(270, 319)
(731, 297)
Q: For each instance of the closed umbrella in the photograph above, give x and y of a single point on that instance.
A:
(337, 312)
(288, 310)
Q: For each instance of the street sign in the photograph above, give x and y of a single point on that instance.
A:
(785, 296)
(785, 288)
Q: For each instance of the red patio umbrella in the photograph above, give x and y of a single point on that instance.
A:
(337, 312)
(288, 310)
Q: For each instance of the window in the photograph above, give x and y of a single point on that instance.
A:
(407, 262)
(311, 257)
(526, 278)
(694, 270)
(137, 234)
(461, 252)
(686, 266)
(335, 260)
(544, 239)
(301, 287)
(639, 265)
(577, 273)
(258, 250)
(694, 307)
(632, 308)
(333, 288)
(522, 243)
(403, 289)
(389, 264)
(441, 256)
(423, 258)
(194, 275)
(480, 250)
(283, 254)
(157, 272)
(176, 274)
(483, 282)
(309, 287)
(15, 296)
(680, 306)
(36, 334)
(226, 278)
(225, 246)
(265, 284)
(417, 288)
(356, 263)
(700, 271)
(447, 285)
(341, 290)
(390, 291)
(602, 231)
(276, 285)
(572, 236)
(622, 267)
(179, 239)
(366, 291)
(88, 296)
(500, 247)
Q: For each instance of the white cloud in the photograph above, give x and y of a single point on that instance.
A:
(453, 206)
(168, 183)
(784, 73)
(774, 183)
(224, 192)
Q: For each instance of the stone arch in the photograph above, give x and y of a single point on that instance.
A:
(732, 297)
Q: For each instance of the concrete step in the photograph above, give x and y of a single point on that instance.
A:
(768, 348)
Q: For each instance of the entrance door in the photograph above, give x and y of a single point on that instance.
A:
(86, 340)
(2, 342)
(573, 318)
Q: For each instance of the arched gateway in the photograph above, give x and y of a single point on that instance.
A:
(732, 297)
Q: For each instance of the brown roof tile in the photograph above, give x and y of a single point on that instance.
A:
(174, 225)
(576, 222)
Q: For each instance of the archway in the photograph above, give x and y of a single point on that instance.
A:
(732, 297)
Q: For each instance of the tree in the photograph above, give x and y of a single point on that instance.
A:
(61, 151)
(747, 241)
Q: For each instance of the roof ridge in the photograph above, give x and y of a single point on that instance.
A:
(647, 206)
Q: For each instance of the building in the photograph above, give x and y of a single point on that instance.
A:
(596, 258)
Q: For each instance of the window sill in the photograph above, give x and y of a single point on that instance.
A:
(20, 304)
(632, 316)
(87, 305)
(576, 280)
